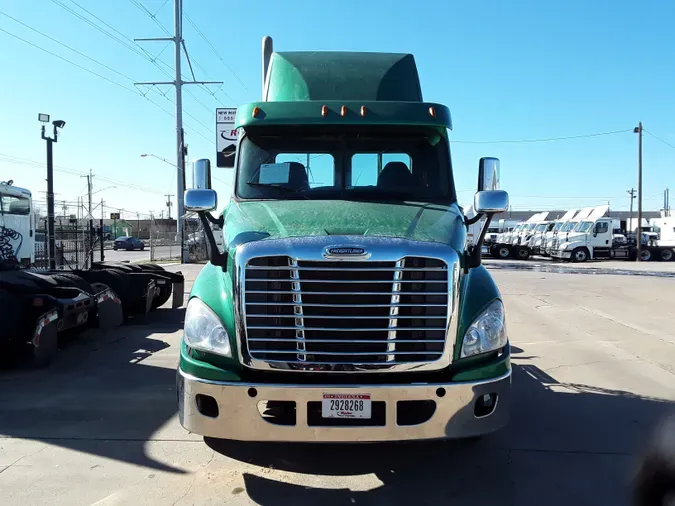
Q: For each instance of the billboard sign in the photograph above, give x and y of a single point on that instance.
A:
(226, 137)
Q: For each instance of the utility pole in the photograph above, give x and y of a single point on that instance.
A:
(178, 84)
(44, 119)
(631, 192)
(638, 130)
(169, 204)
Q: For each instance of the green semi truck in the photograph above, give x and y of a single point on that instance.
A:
(344, 303)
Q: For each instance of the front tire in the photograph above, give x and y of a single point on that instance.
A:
(503, 252)
(645, 255)
(523, 252)
(580, 255)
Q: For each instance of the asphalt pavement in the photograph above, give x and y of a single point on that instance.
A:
(160, 253)
(594, 366)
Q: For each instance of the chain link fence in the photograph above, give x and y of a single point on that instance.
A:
(165, 243)
(76, 245)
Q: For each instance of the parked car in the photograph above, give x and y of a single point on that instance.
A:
(128, 243)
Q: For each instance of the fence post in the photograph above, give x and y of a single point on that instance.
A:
(101, 239)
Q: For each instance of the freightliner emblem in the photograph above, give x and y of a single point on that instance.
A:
(345, 251)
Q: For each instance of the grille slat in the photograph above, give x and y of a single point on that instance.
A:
(357, 313)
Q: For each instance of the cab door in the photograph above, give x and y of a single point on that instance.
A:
(601, 239)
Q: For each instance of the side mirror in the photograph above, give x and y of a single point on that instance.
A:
(201, 198)
(488, 174)
(201, 174)
(199, 201)
(491, 201)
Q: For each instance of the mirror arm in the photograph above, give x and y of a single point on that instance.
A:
(220, 221)
(216, 257)
(471, 221)
(473, 257)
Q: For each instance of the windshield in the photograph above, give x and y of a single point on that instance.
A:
(12, 204)
(541, 227)
(584, 226)
(557, 226)
(320, 163)
(569, 226)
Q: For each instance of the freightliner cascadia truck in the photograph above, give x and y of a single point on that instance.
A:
(345, 303)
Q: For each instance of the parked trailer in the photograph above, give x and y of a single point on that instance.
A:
(37, 305)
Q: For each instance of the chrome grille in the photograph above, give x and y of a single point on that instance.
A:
(343, 314)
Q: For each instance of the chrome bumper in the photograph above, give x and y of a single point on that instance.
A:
(239, 418)
(564, 254)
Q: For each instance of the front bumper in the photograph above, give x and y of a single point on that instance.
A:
(564, 254)
(240, 419)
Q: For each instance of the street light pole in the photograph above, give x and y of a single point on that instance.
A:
(44, 119)
(638, 233)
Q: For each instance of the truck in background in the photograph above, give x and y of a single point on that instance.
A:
(549, 234)
(38, 304)
(594, 238)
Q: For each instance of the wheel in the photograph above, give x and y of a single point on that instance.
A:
(523, 253)
(142, 247)
(110, 279)
(164, 294)
(580, 255)
(48, 346)
(98, 287)
(666, 254)
(503, 251)
(68, 279)
(151, 267)
(645, 255)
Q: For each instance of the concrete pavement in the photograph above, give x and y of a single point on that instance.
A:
(594, 365)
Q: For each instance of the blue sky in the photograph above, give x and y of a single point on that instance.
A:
(515, 70)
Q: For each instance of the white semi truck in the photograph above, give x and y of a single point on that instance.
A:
(37, 304)
(594, 238)
(550, 233)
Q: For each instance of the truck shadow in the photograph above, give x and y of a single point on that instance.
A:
(566, 444)
(99, 396)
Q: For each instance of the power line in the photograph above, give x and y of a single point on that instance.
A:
(132, 90)
(135, 92)
(550, 139)
(215, 51)
(659, 138)
(25, 161)
(152, 16)
(67, 46)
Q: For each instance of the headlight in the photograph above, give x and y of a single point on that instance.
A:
(565, 246)
(204, 330)
(487, 332)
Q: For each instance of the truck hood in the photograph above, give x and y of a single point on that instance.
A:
(574, 236)
(260, 220)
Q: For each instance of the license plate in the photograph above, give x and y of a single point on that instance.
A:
(346, 406)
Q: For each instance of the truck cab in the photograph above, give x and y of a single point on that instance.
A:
(345, 304)
(16, 224)
(589, 239)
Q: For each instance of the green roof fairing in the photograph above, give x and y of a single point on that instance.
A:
(327, 75)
